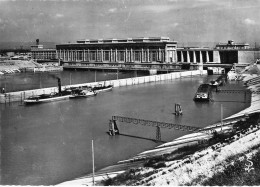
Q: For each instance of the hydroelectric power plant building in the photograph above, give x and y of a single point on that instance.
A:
(146, 51)
(153, 49)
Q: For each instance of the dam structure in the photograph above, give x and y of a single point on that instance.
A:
(145, 53)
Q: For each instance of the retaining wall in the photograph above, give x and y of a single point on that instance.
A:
(21, 95)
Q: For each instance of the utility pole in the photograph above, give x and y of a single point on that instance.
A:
(93, 164)
(221, 113)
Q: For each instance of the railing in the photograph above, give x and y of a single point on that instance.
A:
(144, 66)
(158, 125)
(155, 123)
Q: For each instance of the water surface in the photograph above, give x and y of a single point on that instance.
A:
(50, 143)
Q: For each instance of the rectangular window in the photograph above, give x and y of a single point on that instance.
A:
(153, 55)
(98, 56)
(92, 55)
(86, 56)
(137, 56)
(121, 56)
(106, 56)
(80, 57)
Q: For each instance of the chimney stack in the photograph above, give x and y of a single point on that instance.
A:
(37, 41)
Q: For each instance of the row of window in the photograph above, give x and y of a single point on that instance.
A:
(108, 56)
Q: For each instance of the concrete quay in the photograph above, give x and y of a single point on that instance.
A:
(19, 96)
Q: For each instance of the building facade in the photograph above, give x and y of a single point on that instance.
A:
(39, 53)
(195, 55)
(145, 50)
(232, 45)
(223, 53)
(131, 50)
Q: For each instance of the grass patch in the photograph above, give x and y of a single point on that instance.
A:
(129, 178)
(237, 175)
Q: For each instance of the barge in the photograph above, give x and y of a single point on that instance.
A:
(203, 93)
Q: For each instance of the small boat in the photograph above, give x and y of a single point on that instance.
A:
(101, 88)
(219, 82)
(213, 83)
(79, 93)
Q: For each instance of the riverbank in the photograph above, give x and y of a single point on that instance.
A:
(186, 174)
(16, 66)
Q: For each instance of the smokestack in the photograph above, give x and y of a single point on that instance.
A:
(59, 86)
(37, 41)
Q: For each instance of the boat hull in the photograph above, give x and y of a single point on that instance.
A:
(103, 90)
(37, 101)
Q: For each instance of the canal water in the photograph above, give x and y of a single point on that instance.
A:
(31, 80)
(47, 144)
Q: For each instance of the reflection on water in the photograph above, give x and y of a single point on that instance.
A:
(30, 80)
(51, 143)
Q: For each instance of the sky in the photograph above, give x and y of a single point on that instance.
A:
(63, 21)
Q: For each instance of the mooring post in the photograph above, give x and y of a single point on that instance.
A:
(9, 99)
(113, 128)
(21, 97)
(178, 110)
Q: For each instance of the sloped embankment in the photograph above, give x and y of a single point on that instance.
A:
(229, 160)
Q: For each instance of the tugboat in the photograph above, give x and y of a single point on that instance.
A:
(80, 93)
(49, 97)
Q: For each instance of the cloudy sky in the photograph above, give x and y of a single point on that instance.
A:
(63, 21)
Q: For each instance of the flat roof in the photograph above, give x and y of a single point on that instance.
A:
(125, 40)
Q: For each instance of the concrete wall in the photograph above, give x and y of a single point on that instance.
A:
(248, 57)
(216, 57)
(229, 57)
(21, 95)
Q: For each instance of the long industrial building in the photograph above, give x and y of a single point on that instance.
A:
(153, 49)
(147, 50)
